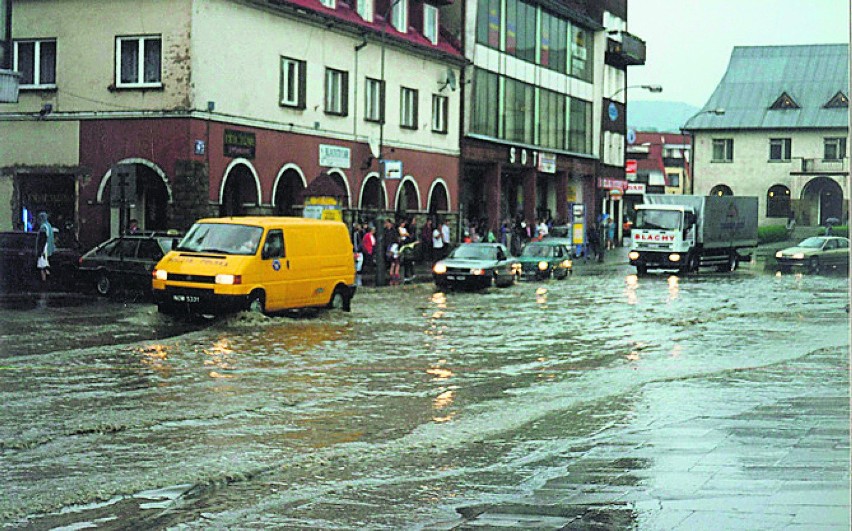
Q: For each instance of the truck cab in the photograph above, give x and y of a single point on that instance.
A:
(663, 237)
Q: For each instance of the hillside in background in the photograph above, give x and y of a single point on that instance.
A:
(663, 116)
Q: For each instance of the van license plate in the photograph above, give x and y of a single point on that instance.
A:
(185, 298)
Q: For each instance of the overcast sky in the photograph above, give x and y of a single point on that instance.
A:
(689, 42)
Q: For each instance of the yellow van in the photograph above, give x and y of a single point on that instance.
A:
(263, 264)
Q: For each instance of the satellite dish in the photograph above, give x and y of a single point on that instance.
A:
(373, 142)
(451, 79)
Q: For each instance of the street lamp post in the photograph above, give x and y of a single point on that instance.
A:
(718, 111)
(601, 229)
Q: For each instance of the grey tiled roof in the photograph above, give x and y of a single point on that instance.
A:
(758, 75)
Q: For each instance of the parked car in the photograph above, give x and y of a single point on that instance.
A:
(477, 266)
(545, 259)
(563, 234)
(18, 263)
(125, 262)
(815, 254)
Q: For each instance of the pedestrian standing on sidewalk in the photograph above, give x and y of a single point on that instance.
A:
(426, 242)
(592, 242)
(610, 234)
(44, 245)
(445, 234)
(437, 245)
(368, 246)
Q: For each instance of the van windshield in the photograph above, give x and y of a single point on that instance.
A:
(657, 219)
(221, 238)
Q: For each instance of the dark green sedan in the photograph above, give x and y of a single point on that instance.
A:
(816, 254)
(545, 259)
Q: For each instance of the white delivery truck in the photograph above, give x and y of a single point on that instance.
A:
(685, 232)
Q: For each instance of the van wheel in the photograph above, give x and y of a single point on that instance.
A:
(340, 300)
(257, 302)
(103, 284)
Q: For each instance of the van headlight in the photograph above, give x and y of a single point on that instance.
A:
(161, 274)
(674, 257)
(228, 279)
(440, 268)
(633, 255)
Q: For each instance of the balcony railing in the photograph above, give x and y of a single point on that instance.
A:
(818, 165)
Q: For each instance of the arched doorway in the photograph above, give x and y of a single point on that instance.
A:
(240, 191)
(340, 180)
(288, 193)
(407, 198)
(778, 202)
(439, 199)
(372, 194)
(822, 198)
(721, 189)
(148, 206)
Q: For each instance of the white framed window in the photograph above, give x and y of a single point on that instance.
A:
(374, 109)
(779, 149)
(723, 150)
(36, 61)
(407, 108)
(430, 23)
(336, 92)
(399, 16)
(365, 9)
(331, 4)
(138, 61)
(835, 148)
(292, 83)
(440, 109)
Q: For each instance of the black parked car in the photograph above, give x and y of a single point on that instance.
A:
(125, 262)
(18, 263)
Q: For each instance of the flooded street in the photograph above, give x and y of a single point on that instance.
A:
(602, 400)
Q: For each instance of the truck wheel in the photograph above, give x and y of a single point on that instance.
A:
(813, 265)
(103, 284)
(340, 300)
(257, 301)
(694, 263)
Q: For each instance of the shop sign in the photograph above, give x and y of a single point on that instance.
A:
(392, 169)
(524, 157)
(635, 188)
(334, 156)
(321, 200)
(239, 144)
(547, 162)
(615, 194)
(606, 183)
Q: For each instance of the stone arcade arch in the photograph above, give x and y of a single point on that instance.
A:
(407, 196)
(153, 195)
(374, 196)
(439, 197)
(240, 189)
(287, 191)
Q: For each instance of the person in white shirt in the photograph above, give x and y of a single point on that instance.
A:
(437, 245)
(542, 229)
(445, 234)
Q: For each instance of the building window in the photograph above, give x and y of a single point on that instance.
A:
(293, 80)
(835, 148)
(723, 150)
(520, 30)
(365, 9)
(551, 123)
(838, 101)
(779, 149)
(440, 110)
(488, 22)
(582, 46)
(374, 110)
(485, 87)
(138, 61)
(407, 108)
(329, 3)
(553, 43)
(580, 126)
(784, 101)
(399, 15)
(36, 62)
(721, 189)
(519, 112)
(778, 202)
(430, 23)
(336, 92)
(673, 180)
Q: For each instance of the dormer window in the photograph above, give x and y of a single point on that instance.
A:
(399, 16)
(365, 9)
(784, 101)
(430, 23)
(838, 101)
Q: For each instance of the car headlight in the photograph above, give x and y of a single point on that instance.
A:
(161, 274)
(542, 266)
(799, 256)
(439, 268)
(633, 255)
(779, 254)
(222, 278)
(516, 267)
(674, 257)
(477, 271)
(567, 264)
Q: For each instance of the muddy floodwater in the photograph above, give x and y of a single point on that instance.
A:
(600, 398)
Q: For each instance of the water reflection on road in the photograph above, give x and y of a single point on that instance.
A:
(414, 403)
